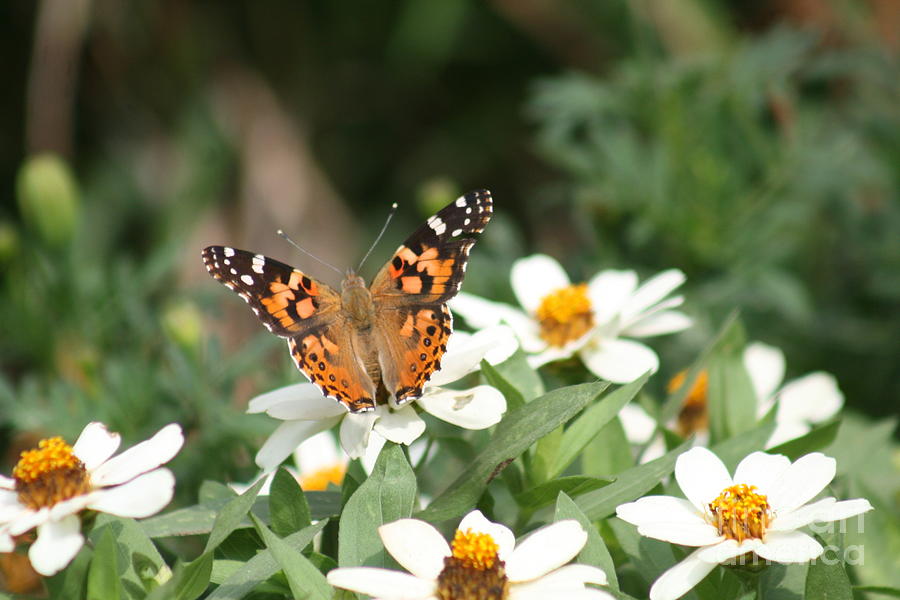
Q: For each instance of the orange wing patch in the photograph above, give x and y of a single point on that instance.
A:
(411, 343)
(326, 357)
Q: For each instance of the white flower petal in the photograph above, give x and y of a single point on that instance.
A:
(651, 292)
(701, 476)
(477, 311)
(726, 550)
(318, 452)
(843, 510)
(355, 432)
(789, 547)
(638, 425)
(660, 509)
(813, 398)
(475, 408)
(95, 445)
(761, 469)
(546, 549)
(401, 426)
(547, 354)
(678, 580)
(521, 592)
(765, 365)
(608, 291)
(661, 323)
(465, 352)
(7, 483)
(801, 517)
(57, 544)
(685, 534)
(784, 432)
(618, 360)
(534, 277)
(299, 401)
(570, 578)
(285, 439)
(141, 497)
(416, 545)
(143, 457)
(502, 535)
(6, 542)
(802, 481)
(28, 519)
(382, 583)
(372, 450)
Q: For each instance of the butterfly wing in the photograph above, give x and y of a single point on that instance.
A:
(308, 313)
(285, 300)
(410, 292)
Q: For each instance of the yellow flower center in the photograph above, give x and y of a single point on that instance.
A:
(49, 474)
(474, 571)
(740, 513)
(318, 481)
(693, 416)
(565, 315)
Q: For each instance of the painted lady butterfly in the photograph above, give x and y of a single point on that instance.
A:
(361, 346)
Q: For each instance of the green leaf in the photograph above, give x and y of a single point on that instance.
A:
(826, 579)
(517, 371)
(516, 433)
(586, 427)
(231, 515)
(543, 457)
(139, 560)
(288, 509)
(546, 493)
(878, 589)
(188, 581)
(650, 557)
(514, 398)
(69, 583)
(387, 495)
(816, 439)
(731, 398)
(595, 552)
(262, 566)
(628, 486)
(609, 451)
(733, 450)
(783, 582)
(103, 581)
(304, 579)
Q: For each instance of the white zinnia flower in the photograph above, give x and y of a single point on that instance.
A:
(483, 561)
(802, 402)
(592, 319)
(759, 510)
(305, 411)
(54, 482)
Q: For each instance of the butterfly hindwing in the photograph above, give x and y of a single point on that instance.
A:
(284, 299)
(326, 356)
(429, 266)
(411, 342)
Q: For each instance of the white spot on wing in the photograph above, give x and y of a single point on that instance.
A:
(456, 232)
(233, 272)
(228, 251)
(258, 261)
(247, 279)
(461, 201)
(437, 225)
(467, 221)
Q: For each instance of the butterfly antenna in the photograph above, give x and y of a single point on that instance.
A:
(307, 252)
(377, 239)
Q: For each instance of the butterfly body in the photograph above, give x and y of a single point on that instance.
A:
(365, 345)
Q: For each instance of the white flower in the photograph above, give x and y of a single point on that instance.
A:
(305, 411)
(483, 556)
(591, 319)
(759, 510)
(802, 402)
(319, 461)
(53, 483)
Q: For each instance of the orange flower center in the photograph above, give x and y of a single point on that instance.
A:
(740, 513)
(693, 416)
(318, 481)
(474, 571)
(49, 474)
(565, 315)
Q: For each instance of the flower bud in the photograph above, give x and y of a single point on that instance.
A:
(48, 198)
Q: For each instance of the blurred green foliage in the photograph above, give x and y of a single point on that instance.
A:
(760, 159)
